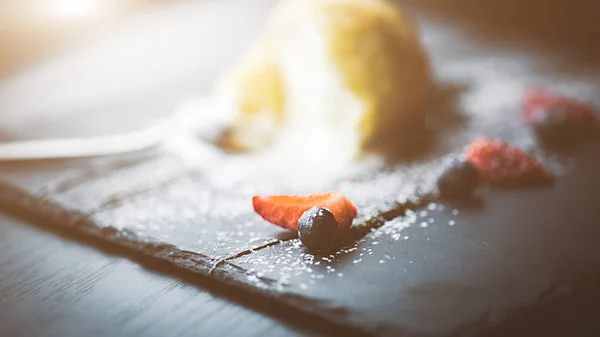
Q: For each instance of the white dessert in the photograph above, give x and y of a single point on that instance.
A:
(327, 75)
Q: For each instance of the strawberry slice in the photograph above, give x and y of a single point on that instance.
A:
(501, 164)
(285, 210)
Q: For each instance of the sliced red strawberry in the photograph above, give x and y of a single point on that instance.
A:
(501, 164)
(543, 101)
(285, 210)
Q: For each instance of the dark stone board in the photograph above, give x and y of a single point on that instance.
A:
(440, 269)
(457, 268)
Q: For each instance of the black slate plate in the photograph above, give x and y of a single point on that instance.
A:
(443, 269)
(457, 268)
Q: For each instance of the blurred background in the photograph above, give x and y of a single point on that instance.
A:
(32, 29)
(69, 66)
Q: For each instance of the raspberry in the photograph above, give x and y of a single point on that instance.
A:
(557, 118)
(502, 165)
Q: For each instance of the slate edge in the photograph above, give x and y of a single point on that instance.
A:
(45, 214)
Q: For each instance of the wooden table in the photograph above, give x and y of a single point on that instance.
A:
(52, 285)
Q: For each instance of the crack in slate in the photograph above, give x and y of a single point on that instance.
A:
(358, 231)
(354, 233)
(244, 253)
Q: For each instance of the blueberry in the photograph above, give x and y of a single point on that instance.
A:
(553, 125)
(317, 229)
(458, 178)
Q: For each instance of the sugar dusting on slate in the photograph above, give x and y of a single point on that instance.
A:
(291, 265)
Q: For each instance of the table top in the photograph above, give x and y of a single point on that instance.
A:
(50, 284)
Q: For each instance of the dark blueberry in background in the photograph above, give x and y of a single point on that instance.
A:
(317, 229)
(458, 178)
(553, 125)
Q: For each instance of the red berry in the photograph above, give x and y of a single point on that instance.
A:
(542, 101)
(285, 210)
(501, 164)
